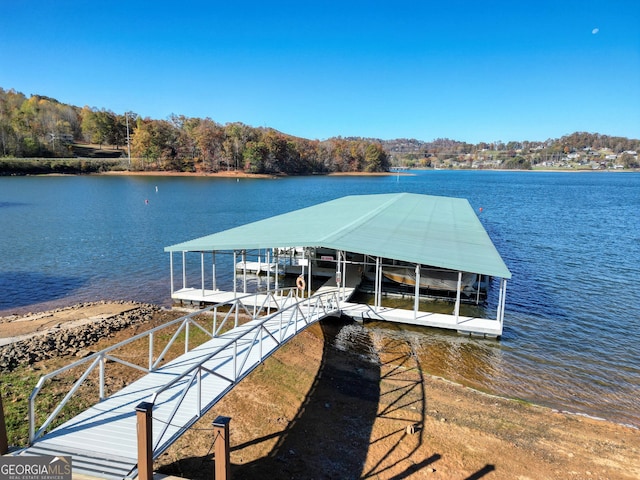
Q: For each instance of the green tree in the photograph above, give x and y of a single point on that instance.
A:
(255, 157)
(376, 159)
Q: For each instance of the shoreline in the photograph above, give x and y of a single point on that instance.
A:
(239, 174)
(294, 413)
(43, 322)
(244, 175)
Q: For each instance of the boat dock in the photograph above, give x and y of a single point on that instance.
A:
(418, 246)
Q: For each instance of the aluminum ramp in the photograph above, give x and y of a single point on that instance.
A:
(102, 440)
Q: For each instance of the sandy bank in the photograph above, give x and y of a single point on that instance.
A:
(314, 410)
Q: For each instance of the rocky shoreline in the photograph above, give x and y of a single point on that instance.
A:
(396, 420)
(68, 338)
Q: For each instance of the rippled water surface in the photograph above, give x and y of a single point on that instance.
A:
(571, 241)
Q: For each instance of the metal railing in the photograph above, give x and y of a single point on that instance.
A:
(251, 304)
(276, 327)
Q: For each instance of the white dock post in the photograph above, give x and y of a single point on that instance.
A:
(344, 280)
(235, 274)
(202, 271)
(244, 271)
(277, 268)
(171, 272)
(377, 300)
(457, 307)
(499, 307)
(213, 271)
(339, 274)
(184, 269)
(502, 301)
(268, 257)
(309, 278)
(416, 295)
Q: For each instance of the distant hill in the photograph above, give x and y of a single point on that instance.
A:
(42, 127)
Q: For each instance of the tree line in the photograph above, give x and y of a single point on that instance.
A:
(40, 126)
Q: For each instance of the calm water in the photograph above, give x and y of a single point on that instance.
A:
(572, 242)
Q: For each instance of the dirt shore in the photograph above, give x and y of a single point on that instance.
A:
(313, 410)
(238, 174)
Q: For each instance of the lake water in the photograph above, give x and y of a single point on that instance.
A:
(571, 241)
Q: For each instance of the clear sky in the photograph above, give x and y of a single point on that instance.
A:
(466, 70)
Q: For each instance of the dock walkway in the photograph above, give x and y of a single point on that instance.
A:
(102, 440)
(462, 324)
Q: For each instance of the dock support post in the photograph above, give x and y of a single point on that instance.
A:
(244, 271)
(171, 271)
(416, 295)
(235, 274)
(213, 271)
(202, 271)
(144, 421)
(267, 254)
(344, 275)
(501, 301)
(457, 307)
(4, 442)
(309, 278)
(378, 283)
(277, 251)
(184, 269)
(221, 452)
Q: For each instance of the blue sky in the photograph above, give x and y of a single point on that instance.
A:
(470, 71)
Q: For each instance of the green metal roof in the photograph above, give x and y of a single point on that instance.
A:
(436, 231)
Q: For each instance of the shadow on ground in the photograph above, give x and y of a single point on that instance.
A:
(332, 436)
(329, 437)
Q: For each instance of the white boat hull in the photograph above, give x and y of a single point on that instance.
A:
(431, 278)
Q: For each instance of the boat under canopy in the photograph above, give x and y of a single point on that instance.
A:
(419, 241)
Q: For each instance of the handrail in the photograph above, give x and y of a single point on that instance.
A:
(326, 302)
(99, 358)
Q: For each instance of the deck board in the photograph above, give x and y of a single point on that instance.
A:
(109, 427)
(462, 324)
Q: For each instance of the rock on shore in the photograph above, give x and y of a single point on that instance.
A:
(60, 340)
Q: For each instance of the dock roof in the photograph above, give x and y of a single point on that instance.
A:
(430, 230)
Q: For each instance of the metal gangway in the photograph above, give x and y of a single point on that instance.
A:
(102, 440)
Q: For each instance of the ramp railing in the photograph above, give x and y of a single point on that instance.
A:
(254, 305)
(240, 350)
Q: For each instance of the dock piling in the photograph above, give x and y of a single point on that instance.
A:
(4, 442)
(221, 452)
(144, 422)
